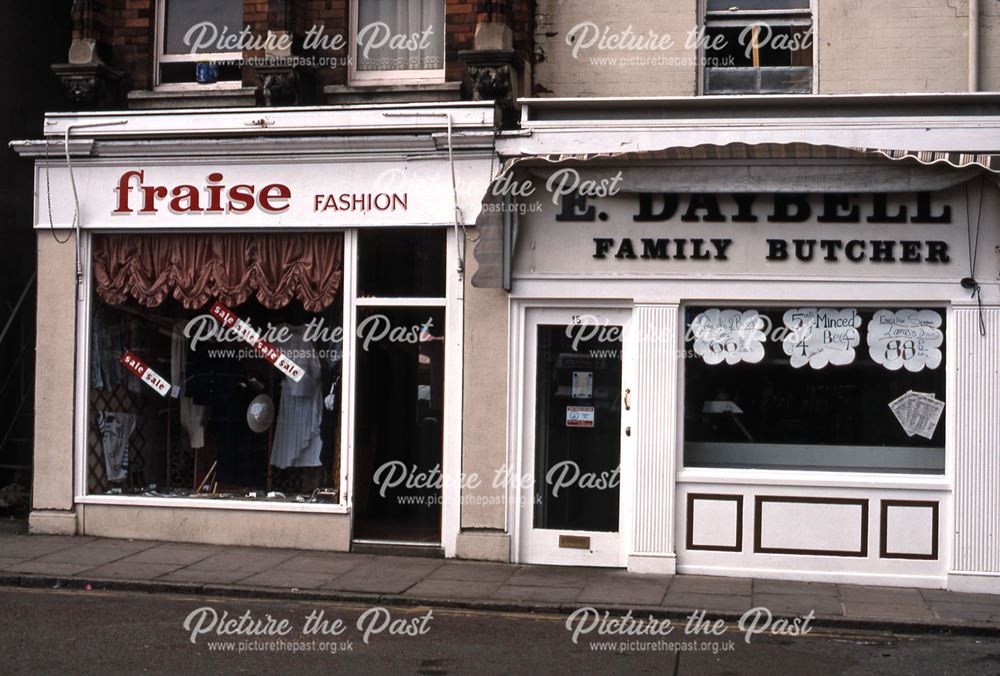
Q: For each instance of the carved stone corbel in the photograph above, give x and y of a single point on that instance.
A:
(495, 75)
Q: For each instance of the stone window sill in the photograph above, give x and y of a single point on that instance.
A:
(194, 98)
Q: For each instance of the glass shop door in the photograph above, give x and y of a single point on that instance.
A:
(578, 428)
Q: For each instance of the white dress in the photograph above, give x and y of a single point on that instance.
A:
(297, 441)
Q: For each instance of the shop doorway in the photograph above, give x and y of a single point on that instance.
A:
(399, 419)
(578, 427)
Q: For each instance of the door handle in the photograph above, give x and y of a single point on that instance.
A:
(628, 399)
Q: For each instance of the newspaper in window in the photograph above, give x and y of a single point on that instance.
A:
(918, 413)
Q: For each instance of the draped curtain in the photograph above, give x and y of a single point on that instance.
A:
(230, 268)
(377, 48)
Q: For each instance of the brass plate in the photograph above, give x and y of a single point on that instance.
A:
(574, 542)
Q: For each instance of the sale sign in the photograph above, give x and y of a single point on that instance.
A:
(145, 374)
(229, 320)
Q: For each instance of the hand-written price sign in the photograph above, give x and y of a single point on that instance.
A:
(821, 336)
(906, 338)
(145, 374)
(269, 352)
(728, 335)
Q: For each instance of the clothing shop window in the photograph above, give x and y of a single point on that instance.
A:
(224, 422)
(758, 47)
(196, 42)
(397, 41)
(399, 421)
(828, 388)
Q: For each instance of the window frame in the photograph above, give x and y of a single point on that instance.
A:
(82, 409)
(160, 57)
(802, 16)
(368, 78)
(809, 476)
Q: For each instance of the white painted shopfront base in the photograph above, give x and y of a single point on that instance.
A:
(652, 564)
(851, 533)
(974, 583)
(843, 512)
(288, 530)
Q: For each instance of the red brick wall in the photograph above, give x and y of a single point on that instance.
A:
(126, 31)
(132, 40)
(334, 16)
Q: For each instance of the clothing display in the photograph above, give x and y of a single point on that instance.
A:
(106, 350)
(115, 428)
(193, 416)
(239, 449)
(297, 440)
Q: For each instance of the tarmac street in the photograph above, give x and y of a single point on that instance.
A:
(79, 631)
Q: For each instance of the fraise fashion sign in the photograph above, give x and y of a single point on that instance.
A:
(300, 194)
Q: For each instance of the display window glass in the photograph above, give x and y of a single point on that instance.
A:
(183, 405)
(827, 388)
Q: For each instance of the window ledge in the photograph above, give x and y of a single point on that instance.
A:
(203, 503)
(193, 98)
(917, 482)
(393, 93)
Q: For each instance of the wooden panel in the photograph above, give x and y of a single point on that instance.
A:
(656, 413)
(715, 522)
(810, 526)
(908, 530)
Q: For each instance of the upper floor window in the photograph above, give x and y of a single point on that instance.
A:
(397, 41)
(196, 42)
(758, 47)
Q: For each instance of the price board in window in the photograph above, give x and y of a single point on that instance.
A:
(909, 339)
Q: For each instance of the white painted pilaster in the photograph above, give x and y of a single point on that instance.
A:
(655, 399)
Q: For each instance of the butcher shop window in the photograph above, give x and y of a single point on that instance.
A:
(758, 47)
(815, 387)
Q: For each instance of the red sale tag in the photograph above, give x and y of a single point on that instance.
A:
(269, 352)
(145, 374)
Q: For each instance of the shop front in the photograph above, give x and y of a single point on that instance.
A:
(239, 331)
(758, 360)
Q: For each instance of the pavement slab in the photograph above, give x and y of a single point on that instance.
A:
(708, 602)
(551, 576)
(474, 571)
(705, 584)
(794, 587)
(33, 546)
(883, 595)
(966, 612)
(193, 568)
(386, 575)
(858, 609)
(49, 568)
(331, 564)
(536, 594)
(935, 595)
(7, 562)
(287, 579)
(205, 576)
(173, 552)
(624, 589)
(248, 561)
(799, 604)
(97, 552)
(127, 570)
(454, 589)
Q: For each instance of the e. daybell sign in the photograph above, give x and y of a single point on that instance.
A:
(783, 208)
(776, 233)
